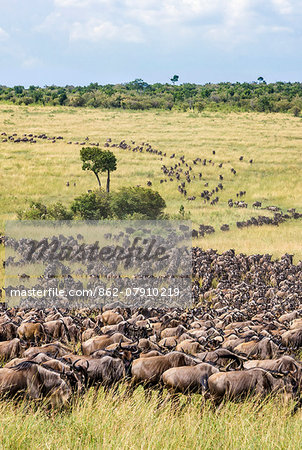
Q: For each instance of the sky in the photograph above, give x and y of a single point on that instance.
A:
(76, 42)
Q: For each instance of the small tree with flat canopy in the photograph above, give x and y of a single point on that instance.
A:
(108, 165)
(92, 160)
(98, 161)
(174, 79)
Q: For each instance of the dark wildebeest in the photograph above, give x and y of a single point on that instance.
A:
(220, 357)
(10, 349)
(189, 378)
(36, 381)
(106, 370)
(241, 383)
(292, 338)
(285, 365)
(149, 370)
(8, 331)
(101, 342)
(32, 332)
(263, 349)
(55, 349)
(56, 329)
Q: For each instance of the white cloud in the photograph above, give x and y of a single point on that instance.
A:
(96, 31)
(3, 35)
(223, 22)
(155, 13)
(30, 62)
(283, 6)
(273, 29)
(74, 3)
(80, 3)
(54, 21)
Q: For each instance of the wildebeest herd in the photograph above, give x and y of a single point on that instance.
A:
(241, 337)
(184, 172)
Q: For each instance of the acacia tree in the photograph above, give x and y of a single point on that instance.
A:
(92, 160)
(108, 165)
(98, 161)
(174, 79)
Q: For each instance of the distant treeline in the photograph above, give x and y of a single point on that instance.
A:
(139, 95)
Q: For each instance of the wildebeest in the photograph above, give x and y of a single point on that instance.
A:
(189, 378)
(240, 384)
(56, 329)
(106, 370)
(34, 380)
(101, 342)
(285, 364)
(220, 357)
(8, 331)
(263, 349)
(292, 338)
(54, 349)
(149, 370)
(32, 332)
(10, 349)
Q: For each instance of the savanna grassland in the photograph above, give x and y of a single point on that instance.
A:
(40, 171)
(103, 421)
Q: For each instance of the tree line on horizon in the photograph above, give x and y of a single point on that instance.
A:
(139, 95)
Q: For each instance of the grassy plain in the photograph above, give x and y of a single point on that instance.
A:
(133, 423)
(40, 171)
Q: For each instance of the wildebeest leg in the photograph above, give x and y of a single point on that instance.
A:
(175, 399)
(172, 397)
(130, 387)
(297, 406)
(188, 399)
(160, 393)
(37, 339)
(147, 392)
(219, 404)
(114, 390)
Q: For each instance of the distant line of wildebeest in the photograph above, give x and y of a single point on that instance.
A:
(178, 170)
(241, 338)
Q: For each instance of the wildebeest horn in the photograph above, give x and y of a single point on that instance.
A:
(230, 364)
(136, 352)
(74, 364)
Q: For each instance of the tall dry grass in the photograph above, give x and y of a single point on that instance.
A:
(103, 421)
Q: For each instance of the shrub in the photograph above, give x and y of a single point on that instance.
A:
(199, 106)
(296, 111)
(38, 211)
(59, 212)
(136, 216)
(92, 206)
(137, 200)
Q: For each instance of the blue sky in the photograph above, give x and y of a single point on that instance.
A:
(44, 42)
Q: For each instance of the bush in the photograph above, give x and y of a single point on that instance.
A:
(138, 201)
(296, 111)
(182, 214)
(92, 206)
(58, 212)
(38, 211)
(136, 216)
